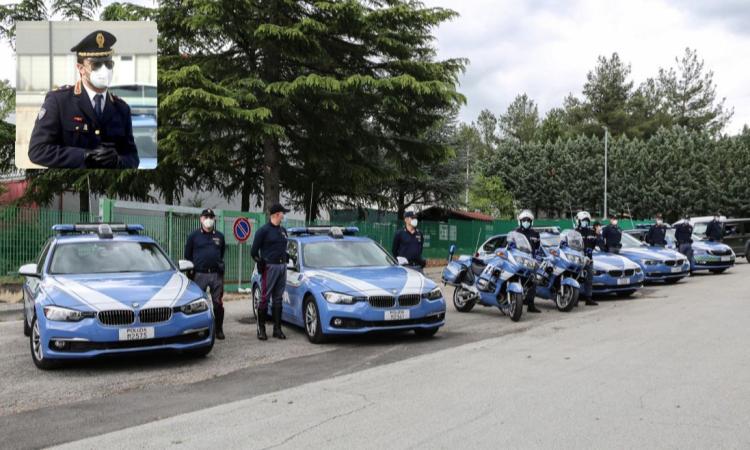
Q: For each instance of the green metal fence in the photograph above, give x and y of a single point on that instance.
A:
(23, 231)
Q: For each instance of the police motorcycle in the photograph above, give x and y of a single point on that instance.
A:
(495, 280)
(562, 265)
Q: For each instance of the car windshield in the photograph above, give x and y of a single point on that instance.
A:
(573, 239)
(519, 241)
(107, 257)
(700, 228)
(550, 240)
(629, 241)
(345, 254)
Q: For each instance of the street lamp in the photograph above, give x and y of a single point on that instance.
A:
(605, 172)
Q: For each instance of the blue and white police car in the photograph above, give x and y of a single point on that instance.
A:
(657, 263)
(342, 284)
(615, 274)
(99, 289)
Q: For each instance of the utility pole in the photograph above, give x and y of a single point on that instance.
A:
(468, 149)
(606, 132)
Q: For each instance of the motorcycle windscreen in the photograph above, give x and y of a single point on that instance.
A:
(452, 271)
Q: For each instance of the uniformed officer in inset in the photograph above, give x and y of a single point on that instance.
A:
(408, 243)
(270, 255)
(525, 223)
(590, 241)
(84, 126)
(714, 229)
(683, 234)
(612, 236)
(205, 248)
(657, 233)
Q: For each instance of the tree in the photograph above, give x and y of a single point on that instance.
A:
(520, 122)
(488, 195)
(7, 130)
(76, 9)
(647, 110)
(606, 93)
(25, 10)
(690, 95)
(128, 11)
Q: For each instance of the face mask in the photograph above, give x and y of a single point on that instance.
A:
(585, 223)
(208, 223)
(101, 78)
(414, 222)
(614, 223)
(526, 224)
(659, 221)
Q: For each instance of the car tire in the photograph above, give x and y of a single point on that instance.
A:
(255, 299)
(35, 343)
(516, 300)
(312, 325)
(625, 294)
(462, 306)
(426, 332)
(718, 271)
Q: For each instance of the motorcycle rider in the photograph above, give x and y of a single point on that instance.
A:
(714, 228)
(683, 234)
(657, 233)
(525, 221)
(590, 241)
(612, 236)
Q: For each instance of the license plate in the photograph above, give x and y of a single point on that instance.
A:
(726, 258)
(623, 281)
(397, 314)
(136, 334)
(676, 269)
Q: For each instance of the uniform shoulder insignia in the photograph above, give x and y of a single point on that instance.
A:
(65, 87)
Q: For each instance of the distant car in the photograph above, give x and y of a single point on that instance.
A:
(657, 263)
(737, 236)
(106, 289)
(342, 284)
(712, 256)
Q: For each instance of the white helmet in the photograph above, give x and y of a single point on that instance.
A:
(526, 214)
(581, 216)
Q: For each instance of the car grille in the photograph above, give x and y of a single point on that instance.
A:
(619, 273)
(615, 273)
(722, 252)
(116, 317)
(409, 299)
(670, 263)
(153, 315)
(629, 272)
(382, 301)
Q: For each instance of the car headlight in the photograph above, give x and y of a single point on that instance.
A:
(339, 299)
(195, 306)
(59, 314)
(598, 273)
(650, 262)
(433, 294)
(637, 270)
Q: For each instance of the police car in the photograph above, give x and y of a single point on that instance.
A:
(101, 289)
(342, 284)
(657, 263)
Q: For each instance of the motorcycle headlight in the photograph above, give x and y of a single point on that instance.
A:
(338, 298)
(433, 294)
(195, 306)
(59, 314)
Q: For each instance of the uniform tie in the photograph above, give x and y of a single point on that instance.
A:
(98, 105)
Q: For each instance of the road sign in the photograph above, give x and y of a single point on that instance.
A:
(242, 229)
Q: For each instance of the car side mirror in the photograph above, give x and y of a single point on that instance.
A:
(402, 261)
(185, 266)
(29, 270)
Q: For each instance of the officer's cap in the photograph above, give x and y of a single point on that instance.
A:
(409, 214)
(97, 46)
(277, 208)
(208, 212)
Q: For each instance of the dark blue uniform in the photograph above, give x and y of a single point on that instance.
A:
(409, 245)
(536, 245)
(683, 234)
(205, 249)
(713, 231)
(269, 252)
(657, 236)
(67, 126)
(590, 241)
(611, 236)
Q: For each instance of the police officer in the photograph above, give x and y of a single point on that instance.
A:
(657, 233)
(205, 248)
(408, 242)
(590, 241)
(714, 231)
(683, 234)
(84, 126)
(525, 222)
(612, 236)
(269, 253)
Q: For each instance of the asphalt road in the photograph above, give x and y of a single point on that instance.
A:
(667, 368)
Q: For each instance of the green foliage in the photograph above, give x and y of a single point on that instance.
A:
(127, 11)
(488, 195)
(76, 9)
(520, 122)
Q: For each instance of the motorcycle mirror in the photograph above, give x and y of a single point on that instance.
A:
(451, 251)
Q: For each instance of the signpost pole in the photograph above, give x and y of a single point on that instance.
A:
(239, 271)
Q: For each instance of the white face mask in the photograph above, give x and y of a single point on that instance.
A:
(101, 78)
(414, 222)
(208, 223)
(659, 221)
(614, 222)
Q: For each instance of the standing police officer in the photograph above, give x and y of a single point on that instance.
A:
(205, 248)
(683, 234)
(525, 221)
(657, 233)
(612, 236)
(84, 126)
(590, 241)
(408, 242)
(269, 252)
(714, 229)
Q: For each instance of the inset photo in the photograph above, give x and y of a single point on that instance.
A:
(86, 95)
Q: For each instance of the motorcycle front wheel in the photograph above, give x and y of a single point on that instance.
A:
(462, 299)
(514, 306)
(566, 297)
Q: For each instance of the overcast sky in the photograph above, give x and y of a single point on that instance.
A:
(545, 48)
